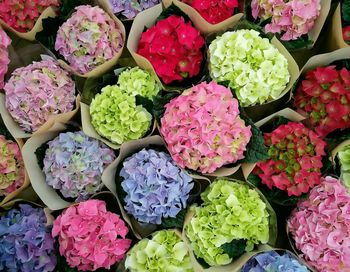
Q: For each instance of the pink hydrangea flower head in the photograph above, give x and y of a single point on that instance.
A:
(320, 227)
(90, 237)
(203, 130)
(5, 41)
(36, 91)
(89, 38)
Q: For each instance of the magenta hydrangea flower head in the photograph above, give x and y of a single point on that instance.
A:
(90, 237)
(203, 130)
(36, 91)
(89, 38)
(5, 41)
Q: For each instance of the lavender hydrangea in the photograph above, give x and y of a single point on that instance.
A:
(130, 8)
(74, 163)
(155, 187)
(26, 243)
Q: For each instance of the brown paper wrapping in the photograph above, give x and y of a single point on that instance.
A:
(335, 35)
(200, 23)
(237, 264)
(287, 113)
(48, 12)
(17, 131)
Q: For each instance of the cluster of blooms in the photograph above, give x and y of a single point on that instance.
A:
(215, 11)
(74, 163)
(346, 34)
(230, 211)
(271, 261)
(173, 47)
(5, 41)
(36, 91)
(323, 96)
(89, 38)
(203, 130)
(12, 171)
(155, 187)
(22, 15)
(130, 8)
(164, 252)
(320, 227)
(344, 158)
(136, 81)
(90, 237)
(26, 243)
(254, 68)
(295, 159)
(292, 18)
(115, 115)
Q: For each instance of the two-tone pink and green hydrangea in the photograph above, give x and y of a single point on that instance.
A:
(5, 41)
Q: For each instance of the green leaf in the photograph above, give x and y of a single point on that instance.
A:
(68, 6)
(172, 10)
(294, 45)
(176, 222)
(40, 154)
(254, 179)
(336, 137)
(144, 102)
(4, 131)
(235, 248)
(160, 101)
(346, 11)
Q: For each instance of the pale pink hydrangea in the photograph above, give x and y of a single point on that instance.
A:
(291, 18)
(320, 227)
(89, 38)
(5, 41)
(203, 130)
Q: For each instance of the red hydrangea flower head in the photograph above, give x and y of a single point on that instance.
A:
(346, 34)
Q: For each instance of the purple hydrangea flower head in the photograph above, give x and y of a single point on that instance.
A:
(74, 163)
(130, 8)
(155, 187)
(26, 243)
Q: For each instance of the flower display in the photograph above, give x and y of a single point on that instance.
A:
(323, 97)
(115, 115)
(295, 159)
(12, 172)
(214, 11)
(231, 212)
(130, 8)
(155, 187)
(89, 38)
(254, 68)
(271, 261)
(22, 15)
(73, 164)
(291, 19)
(136, 81)
(5, 41)
(90, 237)
(346, 33)
(164, 252)
(344, 159)
(173, 47)
(37, 91)
(320, 227)
(203, 130)
(26, 243)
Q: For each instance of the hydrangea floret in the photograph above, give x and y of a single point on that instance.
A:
(271, 261)
(230, 211)
(5, 42)
(22, 15)
(344, 159)
(37, 91)
(155, 187)
(253, 68)
(74, 163)
(90, 237)
(291, 18)
(174, 48)
(116, 117)
(320, 227)
(130, 8)
(165, 251)
(295, 159)
(203, 130)
(324, 97)
(89, 38)
(136, 81)
(12, 172)
(26, 243)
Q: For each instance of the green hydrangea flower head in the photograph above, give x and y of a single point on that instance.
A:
(344, 158)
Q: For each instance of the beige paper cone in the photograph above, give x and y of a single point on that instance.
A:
(17, 131)
(48, 12)
(287, 113)
(200, 23)
(335, 35)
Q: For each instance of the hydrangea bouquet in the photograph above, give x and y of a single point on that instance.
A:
(164, 251)
(128, 9)
(320, 228)
(232, 219)
(26, 243)
(90, 237)
(5, 42)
